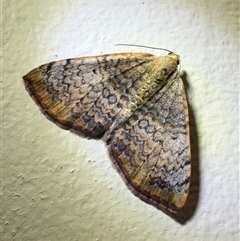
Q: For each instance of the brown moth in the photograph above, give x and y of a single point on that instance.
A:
(135, 103)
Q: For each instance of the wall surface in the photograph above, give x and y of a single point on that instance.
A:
(58, 186)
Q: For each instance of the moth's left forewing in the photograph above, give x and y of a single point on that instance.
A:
(84, 94)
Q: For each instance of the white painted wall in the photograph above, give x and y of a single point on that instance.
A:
(58, 186)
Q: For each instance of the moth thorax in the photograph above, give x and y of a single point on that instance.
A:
(162, 67)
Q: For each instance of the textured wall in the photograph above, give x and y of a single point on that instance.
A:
(58, 186)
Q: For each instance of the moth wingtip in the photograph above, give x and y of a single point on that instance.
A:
(25, 78)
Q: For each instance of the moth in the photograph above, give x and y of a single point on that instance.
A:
(136, 103)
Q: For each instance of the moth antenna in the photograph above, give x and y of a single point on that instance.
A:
(143, 46)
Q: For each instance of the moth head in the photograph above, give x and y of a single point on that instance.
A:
(175, 57)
